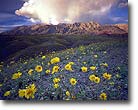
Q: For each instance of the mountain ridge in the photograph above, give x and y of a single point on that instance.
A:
(79, 28)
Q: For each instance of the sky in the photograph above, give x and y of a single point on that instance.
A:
(27, 12)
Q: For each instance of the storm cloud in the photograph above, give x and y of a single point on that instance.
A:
(64, 11)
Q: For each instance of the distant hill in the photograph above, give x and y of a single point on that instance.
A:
(92, 28)
(122, 26)
(31, 45)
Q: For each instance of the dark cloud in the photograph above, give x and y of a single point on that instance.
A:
(9, 21)
(9, 6)
(5, 28)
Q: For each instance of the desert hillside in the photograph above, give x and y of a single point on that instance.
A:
(92, 28)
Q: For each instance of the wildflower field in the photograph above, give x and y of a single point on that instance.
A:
(97, 71)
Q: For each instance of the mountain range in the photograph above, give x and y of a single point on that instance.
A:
(92, 28)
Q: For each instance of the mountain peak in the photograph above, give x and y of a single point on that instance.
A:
(66, 28)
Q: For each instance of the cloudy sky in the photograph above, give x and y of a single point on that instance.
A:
(27, 12)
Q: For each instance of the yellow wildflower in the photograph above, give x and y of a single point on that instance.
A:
(55, 60)
(103, 96)
(1, 85)
(48, 71)
(7, 93)
(104, 64)
(71, 63)
(16, 75)
(56, 86)
(73, 81)
(82, 48)
(30, 72)
(95, 56)
(55, 69)
(56, 80)
(68, 67)
(92, 77)
(38, 68)
(1, 66)
(42, 63)
(93, 68)
(67, 93)
(107, 76)
(21, 92)
(111, 83)
(73, 97)
(83, 53)
(118, 76)
(97, 80)
(43, 57)
(25, 62)
(84, 69)
(67, 99)
(48, 64)
(30, 91)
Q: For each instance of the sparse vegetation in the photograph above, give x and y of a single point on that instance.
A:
(31, 46)
(98, 71)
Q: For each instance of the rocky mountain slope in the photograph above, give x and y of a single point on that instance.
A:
(69, 29)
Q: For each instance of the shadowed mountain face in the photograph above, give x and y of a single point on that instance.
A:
(92, 28)
(32, 45)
